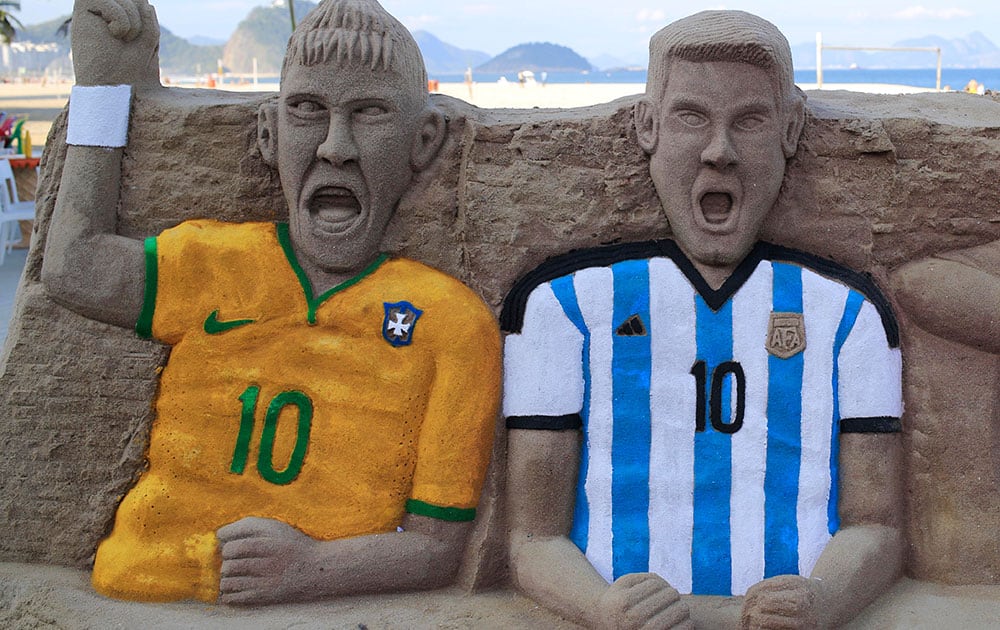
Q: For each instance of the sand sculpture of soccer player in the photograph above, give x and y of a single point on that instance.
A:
(686, 415)
(324, 420)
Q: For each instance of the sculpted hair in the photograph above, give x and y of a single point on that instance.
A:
(722, 36)
(359, 34)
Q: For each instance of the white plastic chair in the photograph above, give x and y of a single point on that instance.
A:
(12, 210)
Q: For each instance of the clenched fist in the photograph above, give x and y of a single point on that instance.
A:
(115, 42)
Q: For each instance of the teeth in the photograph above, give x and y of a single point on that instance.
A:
(336, 215)
(715, 207)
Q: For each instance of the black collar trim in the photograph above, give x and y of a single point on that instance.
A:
(512, 314)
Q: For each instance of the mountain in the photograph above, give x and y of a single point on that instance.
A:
(443, 58)
(43, 32)
(179, 56)
(202, 40)
(39, 48)
(537, 57)
(972, 51)
(263, 34)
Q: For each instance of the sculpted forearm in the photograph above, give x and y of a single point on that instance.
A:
(857, 566)
(861, 561)
(87, 267)
(545, 564)
(267, 561)
(548, 567)
(866, 556)
(552, 571)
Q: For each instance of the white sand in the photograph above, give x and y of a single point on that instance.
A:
(42, 102)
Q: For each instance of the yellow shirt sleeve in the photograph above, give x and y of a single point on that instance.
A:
(193, 269)
(456, 436)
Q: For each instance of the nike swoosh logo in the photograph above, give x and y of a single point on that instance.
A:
(213, 326)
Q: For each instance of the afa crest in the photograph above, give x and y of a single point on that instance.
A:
(786, 334)
(399, 322)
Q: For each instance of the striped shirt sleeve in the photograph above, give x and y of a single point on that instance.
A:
(543, 373)
(870, 377)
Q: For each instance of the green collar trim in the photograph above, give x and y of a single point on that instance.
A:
(315, 302)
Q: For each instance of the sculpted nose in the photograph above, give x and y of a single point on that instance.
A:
(720, 152)
(339, 146)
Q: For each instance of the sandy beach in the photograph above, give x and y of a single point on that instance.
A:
(41, 103)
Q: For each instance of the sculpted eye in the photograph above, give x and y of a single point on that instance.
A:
(691, 119)
(305, 108)
(750, 122)
(372, 110)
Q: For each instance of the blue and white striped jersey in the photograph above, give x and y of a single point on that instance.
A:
(711, 417)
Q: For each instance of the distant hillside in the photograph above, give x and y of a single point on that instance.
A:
(42, 32)
(610, 62)
(443, 58)
(38, 48)
(537, 57)
(262, 34)
(179, 56)
(972, 51)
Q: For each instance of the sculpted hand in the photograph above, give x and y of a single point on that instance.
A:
(115, 42)
(642, 600)
(261, 561)
(781, 602)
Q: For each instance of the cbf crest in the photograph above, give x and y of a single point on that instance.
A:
(400, 320)
(786, 334)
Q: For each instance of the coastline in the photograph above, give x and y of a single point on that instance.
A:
(43, 102)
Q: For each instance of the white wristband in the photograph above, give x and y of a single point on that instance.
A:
(98, 115)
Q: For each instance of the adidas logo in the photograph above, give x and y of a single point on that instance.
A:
(632, 327)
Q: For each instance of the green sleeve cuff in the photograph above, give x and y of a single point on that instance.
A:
(441, 513)
(144, 326)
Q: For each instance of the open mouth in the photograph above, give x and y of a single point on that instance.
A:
(716, 207)
(334, 208)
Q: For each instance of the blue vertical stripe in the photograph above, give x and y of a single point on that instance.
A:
(852, 308)
(784, 437)
(565, 293)
(632, 436)
(711, 555)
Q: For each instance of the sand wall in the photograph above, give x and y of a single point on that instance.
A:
(877, 181)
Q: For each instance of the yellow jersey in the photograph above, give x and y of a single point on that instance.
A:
(334, 413)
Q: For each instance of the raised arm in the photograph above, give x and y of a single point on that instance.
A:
(87, 267)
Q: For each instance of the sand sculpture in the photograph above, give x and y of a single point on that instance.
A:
(317, 397)
(718, 381)
(875, 184)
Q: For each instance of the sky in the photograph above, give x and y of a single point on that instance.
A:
(619, 28)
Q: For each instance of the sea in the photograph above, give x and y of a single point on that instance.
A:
(955, 78)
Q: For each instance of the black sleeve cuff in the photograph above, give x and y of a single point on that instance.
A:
(875, 424)
(546, 423)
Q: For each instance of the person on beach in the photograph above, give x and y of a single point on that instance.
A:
(709, 415)
(325, 418)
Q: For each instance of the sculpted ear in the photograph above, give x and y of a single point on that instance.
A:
(431, 131)
(796, 120)
(647, 124)
(267, 132)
